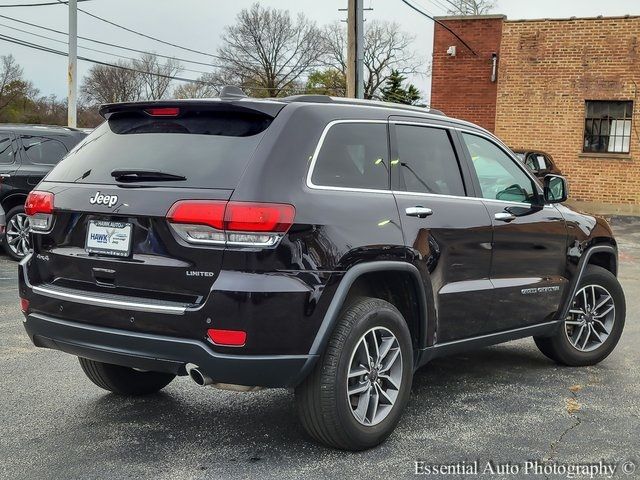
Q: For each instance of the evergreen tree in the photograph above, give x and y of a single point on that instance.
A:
(393, 91)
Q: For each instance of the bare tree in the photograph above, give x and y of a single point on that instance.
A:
(267, 52)
(12, 85)
(105, 84)
(386, 48)
(156, 76)
(204, 87)
(471, 7)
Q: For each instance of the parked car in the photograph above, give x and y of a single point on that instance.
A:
(540, 163)
(27, 153)
(3, 222)
(328, 245)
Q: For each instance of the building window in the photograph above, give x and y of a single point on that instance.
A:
(607, 126)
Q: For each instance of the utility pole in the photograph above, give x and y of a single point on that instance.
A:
(72, 71)
(355, 45)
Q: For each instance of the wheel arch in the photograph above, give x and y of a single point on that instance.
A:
(13, 200)
(386, 280)
(601, 255)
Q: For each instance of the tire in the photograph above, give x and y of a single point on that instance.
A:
(566, 345)
(22, 239)
(326, 411)
(124, 380)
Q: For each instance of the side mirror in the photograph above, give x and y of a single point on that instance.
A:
(556, 189)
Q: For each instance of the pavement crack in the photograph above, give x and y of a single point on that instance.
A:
(572, 407)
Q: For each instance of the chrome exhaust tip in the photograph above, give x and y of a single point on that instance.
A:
(197, 376)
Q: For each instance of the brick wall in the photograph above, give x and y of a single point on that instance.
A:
(548, 68)
(461, 86)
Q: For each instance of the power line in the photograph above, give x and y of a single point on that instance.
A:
(88, 48)
(35, 46)
(121, 47)
(441, 24)
(142, 34)
(35, 4)
(100, 42)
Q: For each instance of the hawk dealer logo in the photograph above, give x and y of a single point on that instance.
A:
(531, 291)
(100, 199)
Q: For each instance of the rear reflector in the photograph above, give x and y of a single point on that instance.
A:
(163, 112)
(227, 338)
(39, 208)
(24, 305)
(231, 223)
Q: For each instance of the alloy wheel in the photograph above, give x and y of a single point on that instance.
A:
(375, 376)
(18, 234)
(591, 318)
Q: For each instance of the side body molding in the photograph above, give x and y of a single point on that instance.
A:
(331, 317)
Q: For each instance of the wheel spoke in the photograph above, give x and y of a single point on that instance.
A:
(390, 379)
(586, 338)
(383, 394)
(602, 303)
(596, 334)
(366, 351)
(363, 406)
(573, 322)
(577, 339)
(601, 325)
(601, 315)
(593, 295)
(392, 359)
(359, 388)
(584, 297)
(376, 347)
(385, 346)
(373, 404)
(358, 371)
(576, 311)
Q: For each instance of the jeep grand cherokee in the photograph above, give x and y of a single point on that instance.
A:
(327, 245)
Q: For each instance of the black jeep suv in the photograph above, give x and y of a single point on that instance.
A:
(27, 154)
(327, 245)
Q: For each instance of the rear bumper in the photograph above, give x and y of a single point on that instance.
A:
(165, 354)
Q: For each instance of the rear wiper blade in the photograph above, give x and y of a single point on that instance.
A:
(140, 175)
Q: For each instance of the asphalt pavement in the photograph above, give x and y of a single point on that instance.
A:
(507, 405)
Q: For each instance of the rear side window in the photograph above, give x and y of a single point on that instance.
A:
(353, 155)
(427, 161)
(43, 150)
(211, 149)
(6, 150)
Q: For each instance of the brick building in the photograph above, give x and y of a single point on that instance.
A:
(569, 87)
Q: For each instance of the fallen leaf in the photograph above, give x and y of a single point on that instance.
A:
(573, 406)
(575, 388)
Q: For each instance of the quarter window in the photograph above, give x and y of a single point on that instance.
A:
(6, 151)
(607, 127)
(427, 161)
(43, 150)
(499, 175)
(353, 155)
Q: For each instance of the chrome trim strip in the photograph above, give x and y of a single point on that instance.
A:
(479, 133)
(494, 335)
(105, 302)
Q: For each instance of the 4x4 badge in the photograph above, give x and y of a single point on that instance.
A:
(100, 199)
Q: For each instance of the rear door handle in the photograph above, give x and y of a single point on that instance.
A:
(420, 212)
(504, 216)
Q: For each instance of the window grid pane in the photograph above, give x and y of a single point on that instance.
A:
(607, 127)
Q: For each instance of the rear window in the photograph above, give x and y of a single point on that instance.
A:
(209, 149)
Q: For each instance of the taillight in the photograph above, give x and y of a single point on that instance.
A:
(231, 223)
(39, 208)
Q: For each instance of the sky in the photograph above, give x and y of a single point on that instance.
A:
(199, 24)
